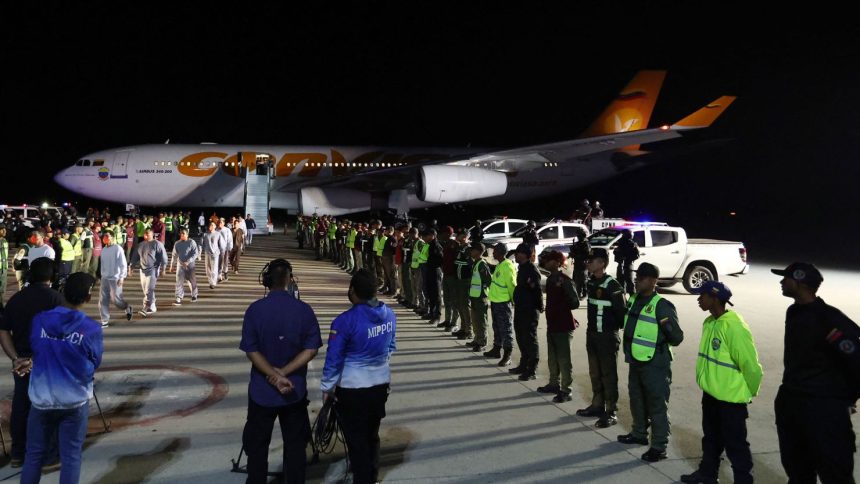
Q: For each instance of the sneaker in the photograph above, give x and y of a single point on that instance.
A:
(528, 375)
(193, 298)
(178, 302)
(654, 455)
(548, 389)
(128, 313)
(464, 336)
(442, 324)
(211, 286)
(143, 313)
(589, 412)
(51, 467)
(607, 421)
(561, 397)
(631, 439)
(105, 324)
(698, 478)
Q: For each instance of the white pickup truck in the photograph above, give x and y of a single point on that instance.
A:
(690, 261)
(550, 234)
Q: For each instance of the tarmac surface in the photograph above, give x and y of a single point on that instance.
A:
(174, 389)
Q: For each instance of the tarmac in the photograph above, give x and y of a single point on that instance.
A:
(174, 389)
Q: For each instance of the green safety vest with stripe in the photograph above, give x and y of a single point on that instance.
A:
(332, 231)
(420, 252)
(350, 239)
(4, 255)
(601, 304)
(379, 245)
(647, 329)
(168, 224)
(77, 245)
(462, 261)
(727, 367)
(504, 282)
(477, 289)
(68, 251)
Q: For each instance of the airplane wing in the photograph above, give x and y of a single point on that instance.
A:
(532, 157)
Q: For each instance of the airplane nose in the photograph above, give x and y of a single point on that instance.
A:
(60, 178)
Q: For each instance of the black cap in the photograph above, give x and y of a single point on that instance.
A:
(477, 246)
(648, 270)
(500, 246)
(598, 254)
(802, 272)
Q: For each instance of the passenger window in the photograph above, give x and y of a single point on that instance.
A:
(639, 238)
(570, 232)
(663, 237)
(514, 226)
(86, 162)
(549, 233)
(98, 162)
(496, 228)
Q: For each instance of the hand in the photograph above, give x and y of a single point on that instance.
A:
(119, 282)
(328, 395)
(22, 366)
(282, 383)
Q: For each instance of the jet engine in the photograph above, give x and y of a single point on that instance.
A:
(452, 184)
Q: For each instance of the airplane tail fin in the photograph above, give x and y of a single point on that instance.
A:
(705, 116)
(632, 109)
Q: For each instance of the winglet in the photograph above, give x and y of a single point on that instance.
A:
(631, 109)
(705, 116)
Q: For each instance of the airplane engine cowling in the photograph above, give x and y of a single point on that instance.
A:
(332, 201)
(452, 184)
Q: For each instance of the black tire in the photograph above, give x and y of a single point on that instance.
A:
(696, 276)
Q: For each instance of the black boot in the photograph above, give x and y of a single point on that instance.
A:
(506, 358)
(494, 353)
(519, 368)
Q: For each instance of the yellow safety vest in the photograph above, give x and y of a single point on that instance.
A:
(350, 239)
(379, 245)
(647, 329)
(416, 253)
(75, 240)
(717, 372)
(477, 288)
(68, 251)
(504, 282)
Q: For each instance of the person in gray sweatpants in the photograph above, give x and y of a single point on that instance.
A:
(213, 247)
(152, 257)
(114, 270)
(185, 255)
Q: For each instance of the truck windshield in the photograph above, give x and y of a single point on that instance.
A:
(603, 237)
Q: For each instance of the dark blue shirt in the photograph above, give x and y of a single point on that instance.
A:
(279, 327)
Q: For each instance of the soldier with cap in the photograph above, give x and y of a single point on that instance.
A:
(502, 286)
(820, 383)
(528, 304)
(479, 283)
(729, 374)
(606, 311)
(462, 284)
(650, 328)
(625, 254)
(561, 300)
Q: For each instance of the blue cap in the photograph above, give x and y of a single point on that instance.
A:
(716, 289)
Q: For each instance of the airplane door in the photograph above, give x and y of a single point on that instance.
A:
(120, 164)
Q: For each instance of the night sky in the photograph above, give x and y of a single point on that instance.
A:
(783, 157)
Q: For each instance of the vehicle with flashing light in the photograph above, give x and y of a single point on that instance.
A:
(500, 227)
(550, 233)
(679, 259)
(32, 213)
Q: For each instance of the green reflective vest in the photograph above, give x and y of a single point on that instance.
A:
(728, 368)
(350, 239)
(504, 282)
(4, 256)
(68, 251)
(601, 304)
(332, 231)
(646, 331)
(477, 288)
(139, 228)
(379, 245)
(168, 224)
(417, 248)
(77, 245)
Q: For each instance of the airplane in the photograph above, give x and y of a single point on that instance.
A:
(338, 180)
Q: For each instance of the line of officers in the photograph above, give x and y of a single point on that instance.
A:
(821, 381)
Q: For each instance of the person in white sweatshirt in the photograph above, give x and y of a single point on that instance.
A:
(114, 271)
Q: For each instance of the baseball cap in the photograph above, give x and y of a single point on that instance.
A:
(500, 246)
(716, 289)
(477, 246)
(598, 254)
(803, 273)
(648, 270)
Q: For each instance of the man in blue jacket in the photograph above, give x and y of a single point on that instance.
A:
(67, 349)
(357, 374)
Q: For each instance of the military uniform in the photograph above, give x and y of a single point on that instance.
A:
(462, 284)
(650, 327)
(479, 283)
(606, 311)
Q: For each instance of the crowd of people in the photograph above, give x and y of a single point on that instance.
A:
(437, 271)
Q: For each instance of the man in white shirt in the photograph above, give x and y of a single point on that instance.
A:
(213, 247)
(114, 271)
(227, 235)
(39, 247)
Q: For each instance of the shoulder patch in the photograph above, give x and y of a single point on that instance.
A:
(847, 346)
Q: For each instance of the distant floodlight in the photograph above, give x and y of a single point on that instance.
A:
(44, 204)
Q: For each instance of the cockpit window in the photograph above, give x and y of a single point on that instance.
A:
(98, 162)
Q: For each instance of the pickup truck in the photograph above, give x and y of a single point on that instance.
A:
(502, 227)
(549, 234)
(690, 261)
